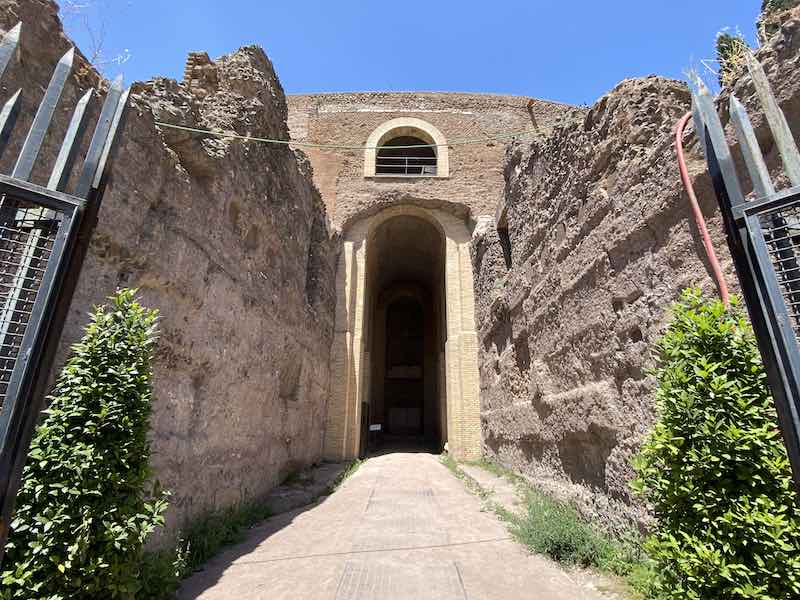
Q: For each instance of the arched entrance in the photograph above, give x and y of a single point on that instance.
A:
(405, 272)
(404, 359)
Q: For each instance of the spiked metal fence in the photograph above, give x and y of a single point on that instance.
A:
(764, 239)
(44, 233)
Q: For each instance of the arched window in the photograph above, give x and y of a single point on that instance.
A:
(406, 155)
(406, 147)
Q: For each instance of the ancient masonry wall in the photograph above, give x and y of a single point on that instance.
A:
(467, 186)
(230, 242)
(476, 171)
(602, 243)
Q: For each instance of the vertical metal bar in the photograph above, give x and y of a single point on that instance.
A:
(36, 356)
(8, 118)
(699, 125)
(41, 122)
(79, 233)
(8, 46)
(781, 228)
(758, 279)
(759, 174)
(726, 176)
(784, 140)
(66, 156)
(117, 122)
(99, 138)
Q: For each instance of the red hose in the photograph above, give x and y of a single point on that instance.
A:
(698, 215)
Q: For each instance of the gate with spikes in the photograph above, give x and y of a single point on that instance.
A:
(44, 235)
(764, 239)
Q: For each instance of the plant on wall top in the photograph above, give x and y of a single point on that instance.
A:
(731, 51)
(769, 23)
(771, 6)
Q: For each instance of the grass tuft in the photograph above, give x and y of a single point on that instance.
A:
(347, 473)
(162, 571)
(209, 534)
(557, 530)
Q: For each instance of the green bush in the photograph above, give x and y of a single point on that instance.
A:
(557, 530)
(715, 468)
(85, 506)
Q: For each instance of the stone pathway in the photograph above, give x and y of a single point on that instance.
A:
(402, 527)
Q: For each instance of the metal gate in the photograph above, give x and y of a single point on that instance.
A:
(44, 234)
(764, 239)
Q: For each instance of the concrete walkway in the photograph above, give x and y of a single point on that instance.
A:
(402, 527)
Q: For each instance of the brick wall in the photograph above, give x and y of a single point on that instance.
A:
(476, 171)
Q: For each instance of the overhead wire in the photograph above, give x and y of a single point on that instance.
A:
(250, 138)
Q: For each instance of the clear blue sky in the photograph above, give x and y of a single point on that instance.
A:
(555, 49)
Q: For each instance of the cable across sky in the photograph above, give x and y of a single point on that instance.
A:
(249, 138)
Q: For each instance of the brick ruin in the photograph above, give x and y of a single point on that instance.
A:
(500, 298)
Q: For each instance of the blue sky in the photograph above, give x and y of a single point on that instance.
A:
(567, 51)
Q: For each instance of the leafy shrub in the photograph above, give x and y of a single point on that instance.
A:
(715, 468)
(84, 509)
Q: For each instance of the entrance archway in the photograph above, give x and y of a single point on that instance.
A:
(405, 266)
(405, 272)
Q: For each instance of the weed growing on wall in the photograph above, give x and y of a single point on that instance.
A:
(86, 504)
(715, 468)
(772, 6)
(731, 52)
(769, 21)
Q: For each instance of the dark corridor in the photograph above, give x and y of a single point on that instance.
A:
(403, 382)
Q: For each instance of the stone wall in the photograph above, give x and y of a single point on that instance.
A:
(476, 170)
(233, 243)
(230, 242)
(602, 242)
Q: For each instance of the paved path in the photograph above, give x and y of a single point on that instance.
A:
(402, 527)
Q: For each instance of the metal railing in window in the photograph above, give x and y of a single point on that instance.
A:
(405, 166)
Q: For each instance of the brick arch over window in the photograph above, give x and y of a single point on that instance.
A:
(407, 127)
